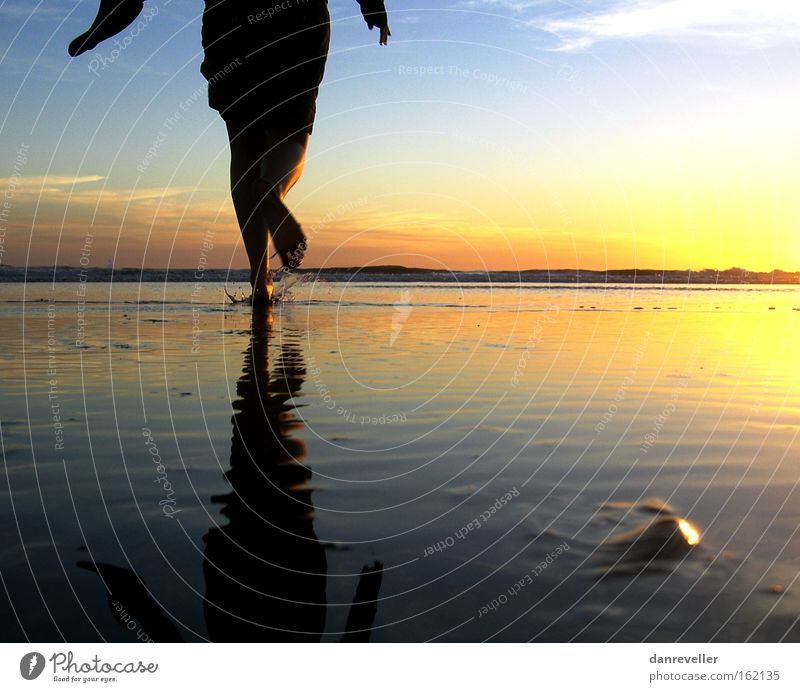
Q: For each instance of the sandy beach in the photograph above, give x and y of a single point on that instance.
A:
(504, 462)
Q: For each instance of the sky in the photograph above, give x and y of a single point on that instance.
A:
(488, 134)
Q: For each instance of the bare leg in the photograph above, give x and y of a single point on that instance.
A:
(284, 159)
(246, 152)
(273, 159)
(281, 168)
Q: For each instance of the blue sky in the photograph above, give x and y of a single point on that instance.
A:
(531, 133)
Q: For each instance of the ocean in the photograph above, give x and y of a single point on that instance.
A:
(399, 460)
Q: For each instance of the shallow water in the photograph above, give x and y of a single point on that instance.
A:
(498, 458)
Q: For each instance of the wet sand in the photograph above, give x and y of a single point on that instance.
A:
(400, 462)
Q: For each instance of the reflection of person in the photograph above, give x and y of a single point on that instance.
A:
(265, 570)
(264, 67)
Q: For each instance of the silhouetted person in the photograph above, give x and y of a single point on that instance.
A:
(264, 63)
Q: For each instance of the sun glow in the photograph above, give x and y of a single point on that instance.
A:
(690, 533)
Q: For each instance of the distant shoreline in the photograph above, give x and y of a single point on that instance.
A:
(734, 276)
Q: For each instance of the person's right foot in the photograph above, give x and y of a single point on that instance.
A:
(261, 296)
(262, 291)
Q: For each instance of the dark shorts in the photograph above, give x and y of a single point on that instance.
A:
(264, 60)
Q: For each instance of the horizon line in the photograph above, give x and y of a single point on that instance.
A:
(400, 267)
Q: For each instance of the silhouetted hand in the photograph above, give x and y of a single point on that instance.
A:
(374, 13)
(112, 17)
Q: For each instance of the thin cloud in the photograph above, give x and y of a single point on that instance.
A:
(127, 196)
(761, 24)
(67, 188)
(515, 6)
(10, 10)
(37, 182)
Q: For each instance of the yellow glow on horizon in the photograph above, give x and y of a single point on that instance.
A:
(691, 190)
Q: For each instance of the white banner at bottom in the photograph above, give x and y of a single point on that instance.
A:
(406, 667)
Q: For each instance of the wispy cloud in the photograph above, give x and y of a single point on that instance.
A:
(10, 10)
(749, 23)
(69, 188)
(515, 6)
(42, 183)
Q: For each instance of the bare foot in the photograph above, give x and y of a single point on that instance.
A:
(262, 289)
(287, 234)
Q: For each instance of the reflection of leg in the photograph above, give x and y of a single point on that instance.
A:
(265, 571)
(280, 169)
(247, 150)
(365, 605)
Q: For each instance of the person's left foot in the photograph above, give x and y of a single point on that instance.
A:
(287, 234)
